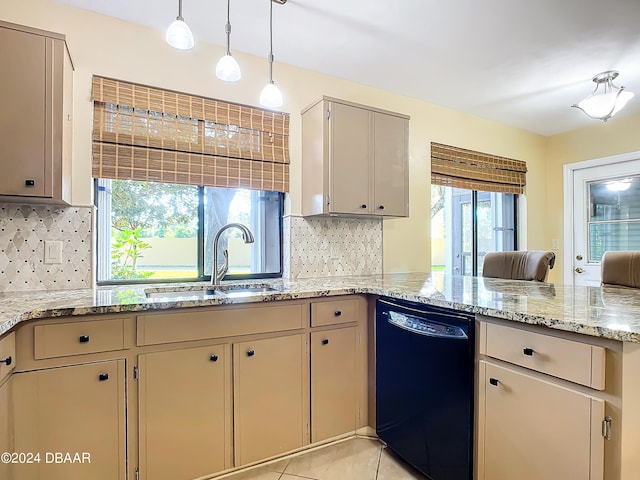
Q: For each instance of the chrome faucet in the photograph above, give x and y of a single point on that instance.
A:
(247, 236)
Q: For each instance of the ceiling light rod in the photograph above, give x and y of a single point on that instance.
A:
(179, 17)
(604, 105)
(227, 28)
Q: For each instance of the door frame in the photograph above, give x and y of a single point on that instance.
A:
(569, 170)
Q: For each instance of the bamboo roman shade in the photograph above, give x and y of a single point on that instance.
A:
(151, 134)
(461, 168)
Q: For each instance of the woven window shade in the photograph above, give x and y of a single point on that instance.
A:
(461, 168)
(150, 134)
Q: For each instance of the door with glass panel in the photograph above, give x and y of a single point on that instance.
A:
(606, 204)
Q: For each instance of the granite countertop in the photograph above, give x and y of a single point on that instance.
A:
(609, 312)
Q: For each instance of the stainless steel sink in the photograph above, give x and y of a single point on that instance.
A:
(230, 290)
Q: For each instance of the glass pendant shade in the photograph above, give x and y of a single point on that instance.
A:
(227, 69)
(604, 104)
(179, 35)
(271, 96)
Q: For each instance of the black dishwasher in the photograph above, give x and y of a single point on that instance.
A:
(425, 386)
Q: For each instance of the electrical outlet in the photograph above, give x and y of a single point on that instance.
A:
(52, 251)
(555, 244)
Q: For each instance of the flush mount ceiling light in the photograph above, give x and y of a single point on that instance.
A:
(227, 68)
(179, 34)
(271, 96)
(604, 104)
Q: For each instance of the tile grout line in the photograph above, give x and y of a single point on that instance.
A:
(379, 459)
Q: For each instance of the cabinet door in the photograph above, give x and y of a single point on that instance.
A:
(537, 430)
(269, 398)
(391, 190)
(23, 97)
(333, 383)
(350, 154)
(75, 418)
(5, 427)
(185, 413)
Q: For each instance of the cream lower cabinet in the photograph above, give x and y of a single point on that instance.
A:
(185, 412)
(5, 427)
(74, 418)
(537, 430)
(333, 383)
(270, 383)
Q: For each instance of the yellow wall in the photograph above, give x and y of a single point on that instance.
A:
(110, 47)
(619, 135)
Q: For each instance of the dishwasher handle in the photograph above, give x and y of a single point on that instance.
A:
(422, 326)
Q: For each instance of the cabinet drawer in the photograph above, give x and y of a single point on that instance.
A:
(334, 312)
(184, 326)
(66, 339)
(7, 355)
(567, 359)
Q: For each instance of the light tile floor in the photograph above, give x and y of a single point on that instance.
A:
(353, 459)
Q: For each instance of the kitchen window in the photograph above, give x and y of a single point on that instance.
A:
(171, 169)
(474, 207)
(150, 231)
(466, 224)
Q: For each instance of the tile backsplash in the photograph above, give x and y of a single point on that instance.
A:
(24, 229)
(330, 246)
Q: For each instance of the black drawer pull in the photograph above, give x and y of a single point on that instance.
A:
(214, 358)
(528, 351)
(84, 339)
(381, 207)
(7, 361)
(337, 313)
(364, 205)
(29, 183)
(494, 382)
(103, 377)
(250, 353)
(325, 341)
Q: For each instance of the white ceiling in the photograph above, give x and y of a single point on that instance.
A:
(518, 62)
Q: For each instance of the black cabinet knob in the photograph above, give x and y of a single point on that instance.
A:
(325, 341)
(250, 353)
(337, 313)
(103, 377)
(84, 338)
(214, 358)
(364, 205)
(381, 207)
(528, 351)
(7, 361)
(29, 183)
(494, 382)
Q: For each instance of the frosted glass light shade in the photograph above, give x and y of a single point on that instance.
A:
(271, 96)
(179, 35)
(227, 69)
(605, 104)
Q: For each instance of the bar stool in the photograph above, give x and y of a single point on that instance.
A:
(621, 268)
(531, 265)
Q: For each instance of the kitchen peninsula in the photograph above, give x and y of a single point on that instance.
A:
(604, 321)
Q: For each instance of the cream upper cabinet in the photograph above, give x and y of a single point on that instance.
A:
(185, 406)
(354, 160)
(77, 410)
(271, 384)
(35, 118)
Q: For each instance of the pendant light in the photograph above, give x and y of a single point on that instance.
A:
(179, 34)
(271, 96)
(227, 68)
(605, 104)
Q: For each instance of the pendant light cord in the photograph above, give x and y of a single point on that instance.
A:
(228, 28)
(180, 10)
(270, 41)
